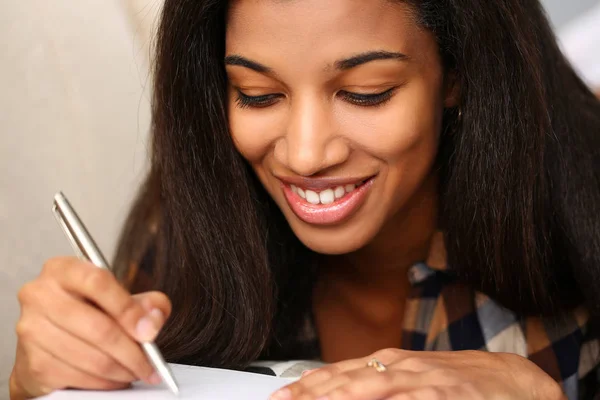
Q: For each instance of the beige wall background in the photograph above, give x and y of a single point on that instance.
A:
(74, 116)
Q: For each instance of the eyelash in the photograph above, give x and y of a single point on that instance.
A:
(368, 100)
(362, 100)
(265, 100)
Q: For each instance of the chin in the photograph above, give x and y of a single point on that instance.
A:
(333, 240)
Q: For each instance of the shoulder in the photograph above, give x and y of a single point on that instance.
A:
(564, 346)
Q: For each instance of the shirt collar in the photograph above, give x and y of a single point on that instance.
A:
(435, 261)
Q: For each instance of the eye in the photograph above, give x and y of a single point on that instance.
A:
(262, 101)
(367, 100)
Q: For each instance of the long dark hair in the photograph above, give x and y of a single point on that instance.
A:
(519, 183)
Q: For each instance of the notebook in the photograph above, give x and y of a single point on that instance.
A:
(195, 383)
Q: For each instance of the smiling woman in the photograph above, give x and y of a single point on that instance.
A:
(330, 179)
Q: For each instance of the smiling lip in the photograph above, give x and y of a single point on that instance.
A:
(326, 214)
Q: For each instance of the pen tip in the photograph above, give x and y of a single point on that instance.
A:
(175, 390)
(172, 384)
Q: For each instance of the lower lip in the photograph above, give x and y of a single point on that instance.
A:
(327, 214)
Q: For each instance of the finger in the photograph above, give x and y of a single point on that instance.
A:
(71, 350)
(324, 374)
(428, 393)
(456, 392)
(156, 305)
(102, 288)
(97, 329)
(362, 384)
(53, 374)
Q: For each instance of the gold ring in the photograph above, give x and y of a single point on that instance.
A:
(378, 365)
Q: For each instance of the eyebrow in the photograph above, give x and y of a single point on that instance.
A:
(244, 62)
(344, 64)
(369, 56)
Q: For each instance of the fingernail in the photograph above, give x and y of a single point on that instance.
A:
(154, 379)
(46, 390)
(283, 394)
(307, 372)
(146, 330)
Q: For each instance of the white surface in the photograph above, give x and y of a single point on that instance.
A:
(561, 12)
(580, 40)
(196, 383)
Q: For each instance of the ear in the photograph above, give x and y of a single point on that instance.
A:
(451, 89)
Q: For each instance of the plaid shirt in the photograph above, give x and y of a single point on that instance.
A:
(443, 315)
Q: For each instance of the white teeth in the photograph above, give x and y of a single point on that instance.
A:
(326, 196)
(312, 197)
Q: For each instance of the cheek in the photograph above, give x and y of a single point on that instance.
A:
(407, 128)
(254, 131)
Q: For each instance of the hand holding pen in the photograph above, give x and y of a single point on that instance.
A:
(79, 328)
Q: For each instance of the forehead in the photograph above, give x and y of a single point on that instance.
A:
(297, 29)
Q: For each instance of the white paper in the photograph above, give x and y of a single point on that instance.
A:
(195, 383)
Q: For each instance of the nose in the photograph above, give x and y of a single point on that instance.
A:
(312, 141)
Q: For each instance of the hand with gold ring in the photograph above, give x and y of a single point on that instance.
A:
(394, 374)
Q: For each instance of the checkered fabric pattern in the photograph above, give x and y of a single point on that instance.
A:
(444, 315)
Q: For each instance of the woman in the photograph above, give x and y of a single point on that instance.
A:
(330, 179)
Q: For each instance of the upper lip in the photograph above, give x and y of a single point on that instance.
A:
(321, 183)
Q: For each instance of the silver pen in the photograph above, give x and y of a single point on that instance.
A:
(86, 248)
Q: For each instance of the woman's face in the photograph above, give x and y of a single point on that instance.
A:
(337, 105)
